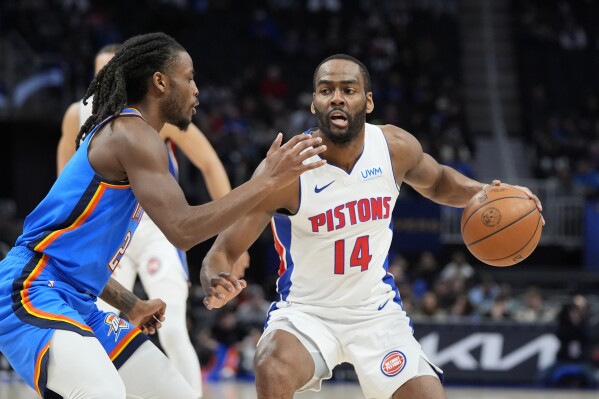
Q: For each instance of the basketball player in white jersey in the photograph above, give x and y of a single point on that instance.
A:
(161, 267)
(332, 228)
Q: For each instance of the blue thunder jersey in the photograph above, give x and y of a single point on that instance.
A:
(334, 250)
(147, 226)
(85, 223)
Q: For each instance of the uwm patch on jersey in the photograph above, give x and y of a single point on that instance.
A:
(371, 173)
(116, 325)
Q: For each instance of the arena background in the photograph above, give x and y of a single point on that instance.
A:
(495, 88)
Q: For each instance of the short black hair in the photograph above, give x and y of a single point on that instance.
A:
(125, 77)
(363, 70)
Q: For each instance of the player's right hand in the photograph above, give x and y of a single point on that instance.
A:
(284, 163)
(147, 315)
(222, 289)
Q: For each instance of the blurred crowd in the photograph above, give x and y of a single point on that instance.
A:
(558, 50)
(255, 60)
(433, 291)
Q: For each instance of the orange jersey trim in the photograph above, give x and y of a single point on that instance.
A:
(40, 313)
(280, 248)
(123, 344)
(116, 186)
(78, 222)
(38, 367)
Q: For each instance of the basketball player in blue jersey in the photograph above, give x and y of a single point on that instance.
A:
(332, 228)
(162, 268)
(51, 330)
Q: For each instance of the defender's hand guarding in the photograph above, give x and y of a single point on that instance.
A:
(222, 289)
(284, 163)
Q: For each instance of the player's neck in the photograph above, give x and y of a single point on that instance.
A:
(342, 156)
(150, 113)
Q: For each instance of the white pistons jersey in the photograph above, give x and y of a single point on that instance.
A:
(334, 250)
(85, 110)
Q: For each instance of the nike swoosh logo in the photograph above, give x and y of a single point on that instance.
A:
(383, 305)
(319, 189)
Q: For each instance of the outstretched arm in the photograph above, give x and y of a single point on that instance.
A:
(422, 172)
(439, 183)
(66, 144)
(147, 315)
(142, 156)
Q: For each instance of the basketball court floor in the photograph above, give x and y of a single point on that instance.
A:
(11, 387)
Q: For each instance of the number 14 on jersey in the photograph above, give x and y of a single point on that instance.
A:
(360, 254)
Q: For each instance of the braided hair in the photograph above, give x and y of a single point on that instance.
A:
(125, 77)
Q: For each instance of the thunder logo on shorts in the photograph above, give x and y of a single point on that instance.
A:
(116, 325)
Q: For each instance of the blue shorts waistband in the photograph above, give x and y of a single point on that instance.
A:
(27, 254)
(21, 252)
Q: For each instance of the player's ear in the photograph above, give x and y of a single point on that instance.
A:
(312, 108)
(159, 81)
(369, 102)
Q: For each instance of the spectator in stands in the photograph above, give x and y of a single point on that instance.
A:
(457, 268)
(462, 307)
(301, 116)
(247, 352)
(425, 273)
(227, 334)
(573, 366)
(398, 268)
(252, 311)
(458, 156)
(483, 294)
(444, 292)
(498, 310)
(533, 309)
(587, 177)
(407, 296)
(429, 307)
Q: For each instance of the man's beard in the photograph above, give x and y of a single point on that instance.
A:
(174, 114)
(354, 125)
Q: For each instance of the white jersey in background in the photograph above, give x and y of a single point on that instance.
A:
(85, 111)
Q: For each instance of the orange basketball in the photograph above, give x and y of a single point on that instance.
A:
(501, 225)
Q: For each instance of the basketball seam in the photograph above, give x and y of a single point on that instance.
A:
(527, 242)
(487, 203)
(503, 228)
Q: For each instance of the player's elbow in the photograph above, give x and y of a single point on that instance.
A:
(179, 237)
(184, 243)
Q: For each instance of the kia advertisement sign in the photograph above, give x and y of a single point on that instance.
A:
(489, 353)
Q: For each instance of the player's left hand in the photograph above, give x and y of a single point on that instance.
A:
(222, 289)
(148, 315)
(526, 191)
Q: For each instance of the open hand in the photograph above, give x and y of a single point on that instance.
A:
(284, 163)
(526, 191)
(222, 289)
